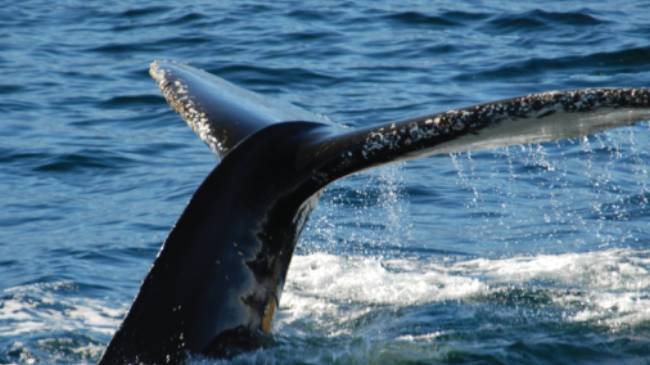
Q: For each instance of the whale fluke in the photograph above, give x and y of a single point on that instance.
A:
(216, 282)
(220, 113)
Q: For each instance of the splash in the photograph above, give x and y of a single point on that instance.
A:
(41, 323)
(607, 288)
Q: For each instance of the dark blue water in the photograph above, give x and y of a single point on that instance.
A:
(536, 254)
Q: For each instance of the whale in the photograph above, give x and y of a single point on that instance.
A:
(217, 280)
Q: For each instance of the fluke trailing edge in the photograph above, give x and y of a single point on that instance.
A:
(216, 283)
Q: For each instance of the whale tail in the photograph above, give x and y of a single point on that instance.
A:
(217, 280)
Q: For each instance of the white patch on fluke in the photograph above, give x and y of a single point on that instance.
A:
(177, 95)
(533, 129)
(530, 119)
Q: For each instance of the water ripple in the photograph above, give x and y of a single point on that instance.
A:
(418, 18)
(83, 161)
(621, 61)
(540, 19)
(123, 101)
(145, 11)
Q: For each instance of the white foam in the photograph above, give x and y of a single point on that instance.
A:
(606, 288)
(38, 308)
(614, 269)
(609, 286)
(425, 337)
(612, 309)
(321, 287)
(377, 281)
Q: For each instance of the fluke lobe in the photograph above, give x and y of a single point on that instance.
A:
(216, 283)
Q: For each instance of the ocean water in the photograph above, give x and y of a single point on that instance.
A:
(534, 254)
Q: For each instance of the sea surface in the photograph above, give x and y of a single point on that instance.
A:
(535, 254)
